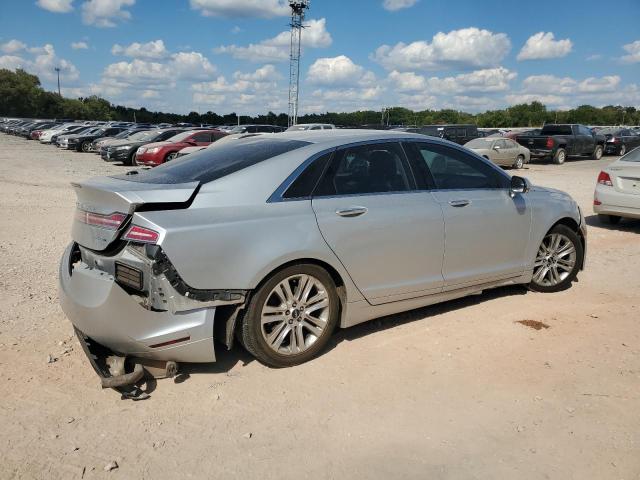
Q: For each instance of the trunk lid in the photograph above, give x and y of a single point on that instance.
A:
(99, 198)
(625, 177)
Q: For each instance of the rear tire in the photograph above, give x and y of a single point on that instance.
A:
(597, 153)
(296, 328)
(560, 156)
(85, 147)
(623, 150)
(558, 260)
(131, 160)
(609, 219)
(170, 156)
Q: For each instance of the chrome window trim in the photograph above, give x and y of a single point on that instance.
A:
(277, 195)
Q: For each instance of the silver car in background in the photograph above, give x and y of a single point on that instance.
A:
(501, 151)
(617, 193)
(278, 239)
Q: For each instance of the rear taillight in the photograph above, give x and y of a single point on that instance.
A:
(112, 221)
(141, 234)
(605, 179)
(549, 142)
(615, 140)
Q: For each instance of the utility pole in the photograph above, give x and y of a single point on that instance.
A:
(57, 69)
(298, 9)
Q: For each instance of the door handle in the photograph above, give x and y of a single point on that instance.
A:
(459, 203)
(351, 211)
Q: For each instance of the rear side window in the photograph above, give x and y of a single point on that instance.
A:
(215, 162)
(373, 168)
(303, 186)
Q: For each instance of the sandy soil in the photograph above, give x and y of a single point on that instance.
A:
(458, 390)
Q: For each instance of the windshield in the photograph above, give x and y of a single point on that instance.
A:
(213, 163)
(239, 129)
(146, 135)
(479, 143)
(181, 136)
(297, 128)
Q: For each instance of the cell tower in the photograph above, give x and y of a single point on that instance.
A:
(298, 9)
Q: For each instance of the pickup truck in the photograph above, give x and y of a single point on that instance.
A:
(557, 142)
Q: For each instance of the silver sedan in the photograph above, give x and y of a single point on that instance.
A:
(277, 240)
(501, 151)
(617, 193)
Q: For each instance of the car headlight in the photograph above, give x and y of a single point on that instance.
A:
(153, 150)
(123, 147)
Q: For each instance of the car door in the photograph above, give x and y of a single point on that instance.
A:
(486, 228)
(388, 235)
(500, 155)
(587, 142)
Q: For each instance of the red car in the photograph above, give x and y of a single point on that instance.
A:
(154, 154)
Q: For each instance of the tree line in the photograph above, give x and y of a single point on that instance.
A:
(22, 95)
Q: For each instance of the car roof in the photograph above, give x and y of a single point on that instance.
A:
(344, 136)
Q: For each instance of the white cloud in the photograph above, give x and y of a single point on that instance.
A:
(79, 45)
(393, 5)
(543, 84)
(486, 80)
(247, 92)
(150, 50)
(543, 45)
(56, 6)
(633, 50)
(191, 66)
(338, 70)
(105, 13)
(12, 46)
(242, 8)
(276, 49)
(43, 62)
(465, 48)
(552, 100)
(609, 83)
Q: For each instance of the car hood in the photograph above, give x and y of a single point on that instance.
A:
(160, 144)
(120, 143)
(551, 191)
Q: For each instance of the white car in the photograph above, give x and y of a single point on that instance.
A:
(617, 192)
(300, 127)
(47, 134)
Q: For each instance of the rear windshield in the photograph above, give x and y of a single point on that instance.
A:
(215, 162)
(480, 143)
(632, 156)
(556, 130)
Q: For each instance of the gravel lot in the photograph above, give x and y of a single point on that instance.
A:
(458, 390)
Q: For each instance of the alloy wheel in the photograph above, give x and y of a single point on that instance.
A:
(555, 260)
(295, 314)
(623, 150)
(519, 162)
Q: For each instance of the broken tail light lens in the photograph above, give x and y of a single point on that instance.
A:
(112, 221)
(141, 234)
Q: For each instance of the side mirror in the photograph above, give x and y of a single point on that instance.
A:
(519, 185)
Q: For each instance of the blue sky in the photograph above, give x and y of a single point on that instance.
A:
(232, 55)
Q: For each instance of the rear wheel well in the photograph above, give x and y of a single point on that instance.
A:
(233, 321)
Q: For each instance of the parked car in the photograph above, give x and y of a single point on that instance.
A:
(257, 129)
(310, 126)
(620, 140)
(279, 239)
(124, 150)
(62, 140)
(82, 142)
(560, 141)
(99, 143)
(459, 134)
(47, 135)
(501, 151)
(157, 153)
(514, 134)
(617, 193)
(36, 131)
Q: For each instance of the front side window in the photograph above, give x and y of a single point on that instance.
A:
(363, 169)
(446, 168)
(202, 137)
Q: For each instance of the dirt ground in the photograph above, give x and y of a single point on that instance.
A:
(458, 390)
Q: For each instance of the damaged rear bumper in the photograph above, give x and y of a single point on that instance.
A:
(109, 315)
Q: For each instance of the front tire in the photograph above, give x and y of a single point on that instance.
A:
(86, 147)
(560, 156)
(170, 156)
(623, 150)
(291, 316)
(597, 153)
(558, 260)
